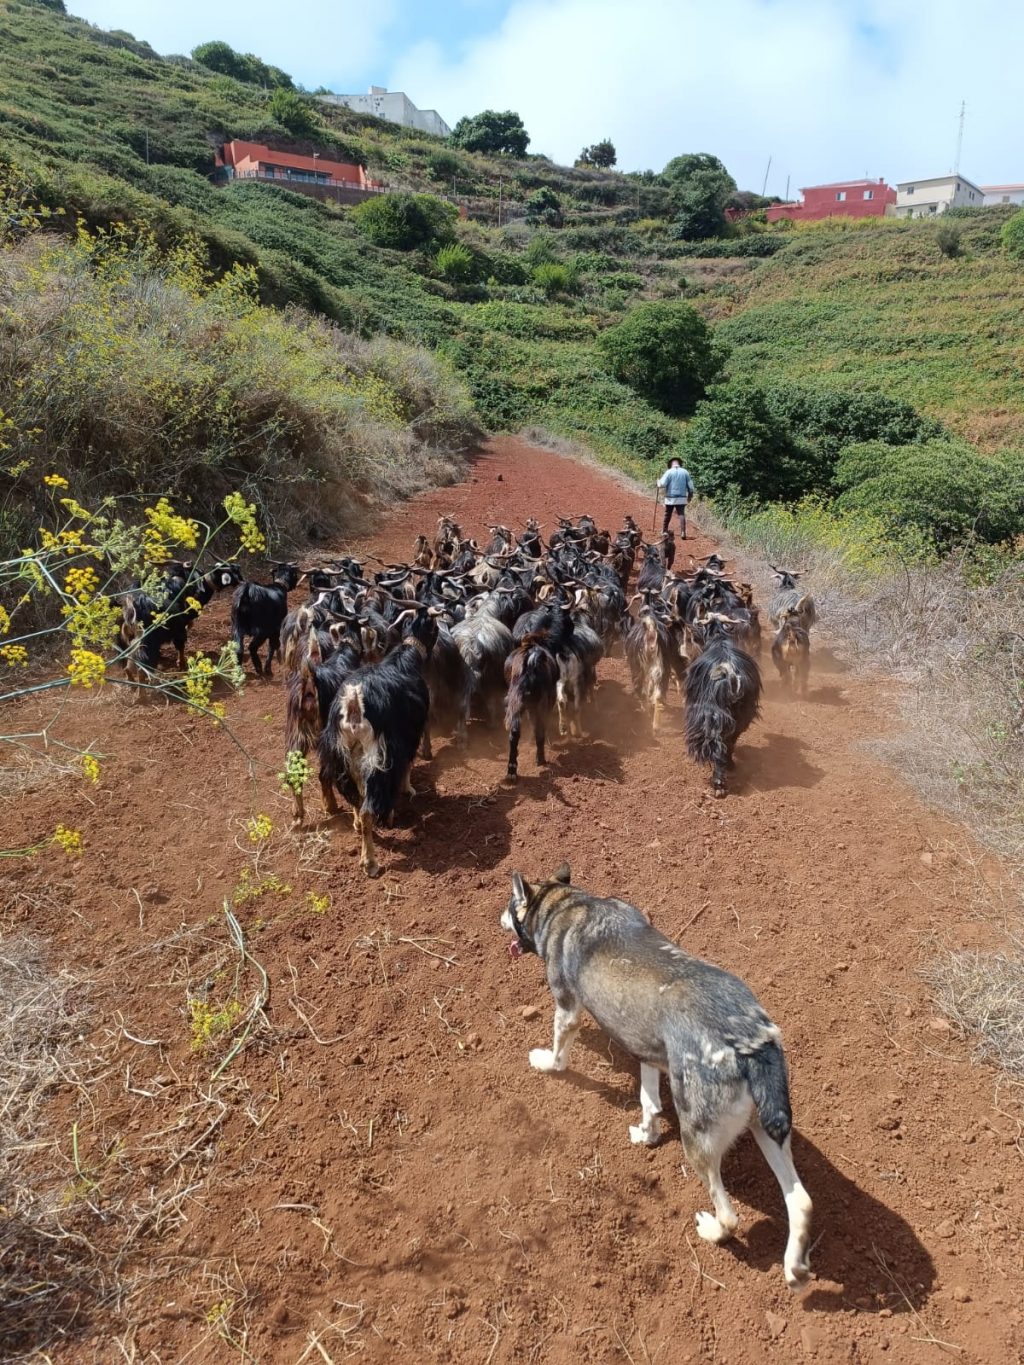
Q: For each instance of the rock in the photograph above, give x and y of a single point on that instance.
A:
(810, 1339)
(776, 1324)
(530, 1012)
(938, 1025)
(927, 859)
(474, 1041)
(960, 1294)
(947, 1228)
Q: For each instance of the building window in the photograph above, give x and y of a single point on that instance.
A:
(869, 194)
(840, 194)
(910, 189)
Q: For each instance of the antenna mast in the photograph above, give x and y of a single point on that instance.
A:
(960, 138)
(764, 185)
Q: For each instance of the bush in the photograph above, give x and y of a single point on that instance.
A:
(943, 488)
(291, 111)
(556, 278)
(666, 352)
(948, 239)
(831, 419)
(455, 263)
(242, 66)
(1012, 236)
(544, 206)
(406, 221)
(737, 445)
(445, 165)
(764, 244)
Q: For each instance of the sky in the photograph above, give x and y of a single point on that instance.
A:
(822, 90)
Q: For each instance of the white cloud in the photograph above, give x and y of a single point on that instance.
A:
(319, 42)
(828, 88)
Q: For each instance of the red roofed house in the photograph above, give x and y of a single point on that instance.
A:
(311, 173)
(844, 199)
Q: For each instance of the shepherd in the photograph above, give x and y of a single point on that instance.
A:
(679, 490)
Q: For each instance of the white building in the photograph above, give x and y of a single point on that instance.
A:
(921, 198)
(395, 107)
(1003, 194)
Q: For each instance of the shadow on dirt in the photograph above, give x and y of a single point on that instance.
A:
(777, 762)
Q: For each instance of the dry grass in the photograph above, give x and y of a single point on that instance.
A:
(983, 994)
(50, 1272)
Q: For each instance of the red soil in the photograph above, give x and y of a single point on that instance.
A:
(404, 1176)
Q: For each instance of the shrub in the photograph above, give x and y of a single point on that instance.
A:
(831, 419)
(556, 278)
(288, 108)
(455, 263)
(222, 58)
(1012, 236)
(948, 239)
(666, 352)
(945, 489)
(738, 445)
(445, 165)
(405, 221)
(601, 154)
(699, 189)
(544, 206)
(540, 249)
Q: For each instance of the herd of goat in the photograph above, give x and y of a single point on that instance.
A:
(375, 666)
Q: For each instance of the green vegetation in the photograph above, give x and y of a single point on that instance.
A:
(1012, 235)
(405, 221)
(666, 352)
(589, 310)
(492, 132)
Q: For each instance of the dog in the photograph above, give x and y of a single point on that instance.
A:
(676, 1014)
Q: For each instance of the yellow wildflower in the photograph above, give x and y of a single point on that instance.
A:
(243, 514)
(259, 827)
(92, 623)
(56, 481)
(318, 904)
(166, 525)
(90, 768)
(5, 621)
(81, 583)
(194, 604)
(75, 509)
(86, 668)
(14, 656)
(69, 839)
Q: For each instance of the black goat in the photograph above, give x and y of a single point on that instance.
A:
(374, 727)
(258, 612)
(789, 599)
(450, 684)
(531, 672)
(652, 571)
(484, 643)
(723, 691)
(142, 636)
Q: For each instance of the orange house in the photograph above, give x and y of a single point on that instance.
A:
(254, 161)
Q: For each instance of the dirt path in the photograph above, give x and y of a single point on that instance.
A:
(384, 1171)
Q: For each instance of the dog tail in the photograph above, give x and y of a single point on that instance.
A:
(768, 1079)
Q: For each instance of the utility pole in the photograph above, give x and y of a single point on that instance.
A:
(787, 190)
(764, 185)
(960, 138)
(499, 200)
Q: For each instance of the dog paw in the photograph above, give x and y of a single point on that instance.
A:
(711, 1229)
(542, 1059)
(797, 1274)
(639, 1134)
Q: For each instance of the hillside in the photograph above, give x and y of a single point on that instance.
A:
(518, 313)
(883, 308)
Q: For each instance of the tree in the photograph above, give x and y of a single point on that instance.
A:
(1012, 235)
(666, 352)
(831, 419)
(737, 444)
(544, 206)
(602, 155)
(699, 189)
(406, 221)
(293, 112)
(492, 132)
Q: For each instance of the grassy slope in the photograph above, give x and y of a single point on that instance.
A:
(880, 307)
(883, 308)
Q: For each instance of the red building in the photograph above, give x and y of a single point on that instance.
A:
(306, 172)
(844, 199)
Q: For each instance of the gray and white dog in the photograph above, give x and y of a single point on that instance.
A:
(679, 1015)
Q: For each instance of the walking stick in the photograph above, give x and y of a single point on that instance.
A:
(654, 523)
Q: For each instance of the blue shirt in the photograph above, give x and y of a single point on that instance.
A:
(678, 486)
